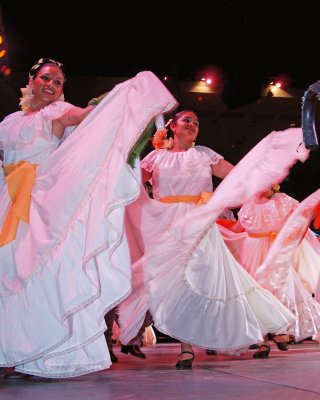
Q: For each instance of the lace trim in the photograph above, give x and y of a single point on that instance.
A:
(103, 365)
(118, 204)
(307, 313)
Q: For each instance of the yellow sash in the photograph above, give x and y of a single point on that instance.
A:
(272, 235)
(20, 178)
(198, 200)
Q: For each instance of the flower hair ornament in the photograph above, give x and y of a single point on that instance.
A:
(45, 61)
(275, 188)
(25, 100)
(160, 139)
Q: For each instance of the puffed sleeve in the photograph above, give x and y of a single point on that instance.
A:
(149, 160)
(19, 131)
(6, 127)
(53, 111)
(212, 156)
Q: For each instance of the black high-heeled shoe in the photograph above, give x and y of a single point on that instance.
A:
(262, 353)
(253, 346)
(134, 350)
(185, 364)
(113, 357)
(210, 352)
(283, 346)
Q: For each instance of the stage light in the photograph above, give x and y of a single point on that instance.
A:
(4, 69)
(211, 75)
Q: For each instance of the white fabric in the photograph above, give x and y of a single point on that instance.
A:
(280, 274)
(181, 173)
(306, 262)
(280, 277)
(267, 216)
(258, 218)
(146, 218)
(71, 264)
(196, 291)
(187, 172)
(29, 136)
(159, 121)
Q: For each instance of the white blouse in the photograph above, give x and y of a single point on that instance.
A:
(29, 136)
(181, 173)
(269, 216)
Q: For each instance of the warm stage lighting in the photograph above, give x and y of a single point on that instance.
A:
(4, 70)
(281, 81)
(7, 71)
(278, 87)
(211, 76)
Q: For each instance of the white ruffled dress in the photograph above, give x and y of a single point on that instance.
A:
(291, 269)
(195, 289)
(71, 263)
(251, 248)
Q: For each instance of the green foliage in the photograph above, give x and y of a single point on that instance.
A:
(141, 143)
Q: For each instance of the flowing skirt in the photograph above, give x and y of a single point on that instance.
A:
(291, 269)
(195, 289)
(71, 264)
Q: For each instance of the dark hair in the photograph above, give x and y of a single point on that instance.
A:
(45, 61)
(175, 118)
(180, 114)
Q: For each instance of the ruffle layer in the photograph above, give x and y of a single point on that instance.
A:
(212, 302)
(285, 269)
(190, 293)
(72, 263)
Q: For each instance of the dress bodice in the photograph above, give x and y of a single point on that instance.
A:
(181, 173)
(269, 216)
(28, 136)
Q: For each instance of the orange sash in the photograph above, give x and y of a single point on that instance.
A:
(272, 235)
(20, 178)
(198, 200)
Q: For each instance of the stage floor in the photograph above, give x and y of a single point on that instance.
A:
(293, 375)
